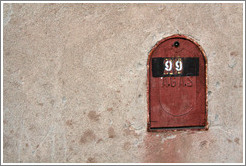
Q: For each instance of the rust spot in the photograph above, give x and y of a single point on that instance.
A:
(118, 91)
(154, 154)
(127, 146)
(203, 143)
(91, 160)
(235, 86)
(41, 104)
(31, 127)
(27, 145)
(110, 109)
(63, 82)
(52, 102)
(234, 53)
(37, 146)
(128, 132)
(111, 133)
(87, 137)
(11, 131)
(93, 116)
(69, 123)
(229, 140)
(99, 140)
(167, 151)
(236, 140)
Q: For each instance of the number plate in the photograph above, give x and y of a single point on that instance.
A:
(167, 67)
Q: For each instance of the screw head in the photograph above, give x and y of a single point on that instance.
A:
(176, 44)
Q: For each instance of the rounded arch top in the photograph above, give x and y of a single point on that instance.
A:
(177, 36)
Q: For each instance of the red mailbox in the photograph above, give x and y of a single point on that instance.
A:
(177, 88)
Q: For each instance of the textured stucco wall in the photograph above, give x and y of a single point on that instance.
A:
(75, 82)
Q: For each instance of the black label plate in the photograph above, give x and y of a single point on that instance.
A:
(175, 67)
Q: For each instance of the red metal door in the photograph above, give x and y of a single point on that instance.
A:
(177, 90)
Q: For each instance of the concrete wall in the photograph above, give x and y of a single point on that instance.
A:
(75, 82)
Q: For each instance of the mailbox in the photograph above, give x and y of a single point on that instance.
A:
(177, 85)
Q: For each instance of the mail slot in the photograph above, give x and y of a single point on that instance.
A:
(177, 86)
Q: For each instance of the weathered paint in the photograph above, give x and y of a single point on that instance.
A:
(177, 95)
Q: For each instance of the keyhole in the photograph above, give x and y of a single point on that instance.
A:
(176, 44)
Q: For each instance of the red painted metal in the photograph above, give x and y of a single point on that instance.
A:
(176, 103)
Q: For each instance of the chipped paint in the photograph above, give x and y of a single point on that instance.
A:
(167, 138)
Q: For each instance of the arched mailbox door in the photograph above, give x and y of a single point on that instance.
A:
(177, 90)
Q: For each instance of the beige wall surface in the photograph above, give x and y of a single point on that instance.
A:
(74, 82)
